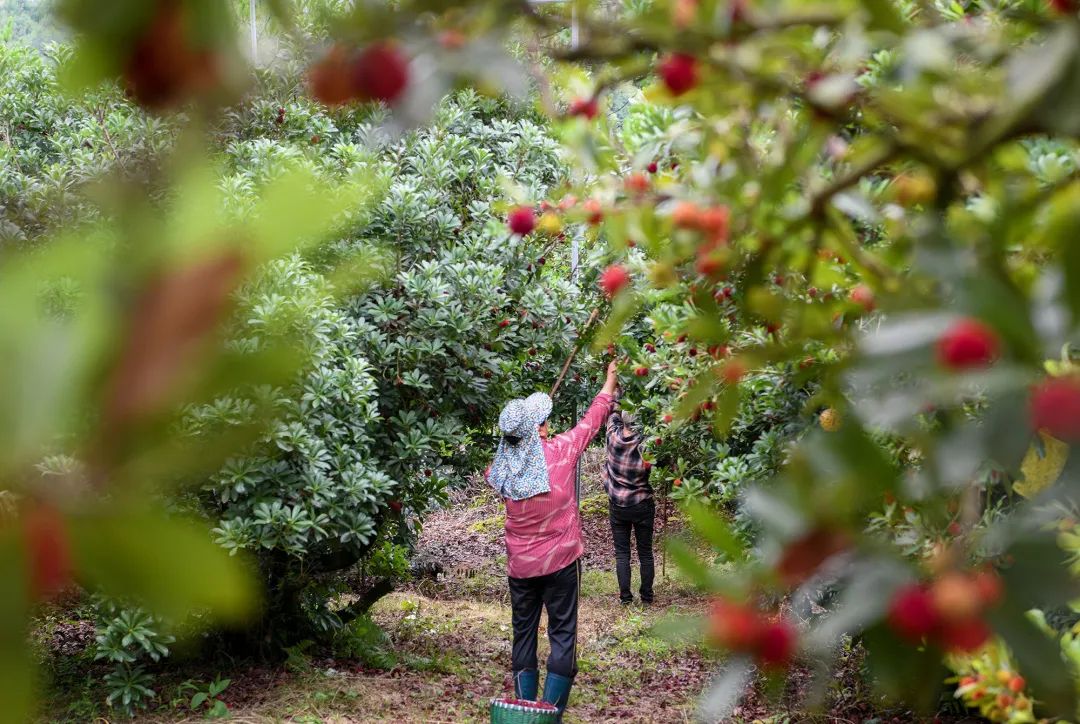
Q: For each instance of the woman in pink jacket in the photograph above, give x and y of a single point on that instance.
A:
(534, 473)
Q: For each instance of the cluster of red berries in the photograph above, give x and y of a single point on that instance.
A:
(949, 611)
(771, 640)
(379, 72)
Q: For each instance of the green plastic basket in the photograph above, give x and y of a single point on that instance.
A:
(519, 711)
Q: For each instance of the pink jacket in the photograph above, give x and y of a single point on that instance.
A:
(543, 533)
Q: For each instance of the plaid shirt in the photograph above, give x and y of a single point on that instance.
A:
(626, 475)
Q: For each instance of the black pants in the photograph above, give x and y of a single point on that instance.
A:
(639, 518)
(558, 593)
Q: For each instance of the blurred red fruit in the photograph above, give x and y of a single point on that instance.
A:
(649, 347)
(1064, 6)
(1016, 684)
(667, 419)
(641, 371)
(614, 279)
(734, 371)
(594, 211)
(965, 635)
(677, 482)
(912, 615)
(521, 220)
(679, 72)
(863, 296)
(48, 551)
(584, 107)
(734, 626)
(802, 557)
(714, 222)
(686, 215)
(1055, 407)
(504, 323)
(956, 596)
(967, 344)
(989, 585)
(395, 505)
(165, 67)
(452, 39)
(380, 73)
(637, 183)
(776, 644)
(330, 78)
(652, 167)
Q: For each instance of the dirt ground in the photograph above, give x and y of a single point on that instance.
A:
(444, 646)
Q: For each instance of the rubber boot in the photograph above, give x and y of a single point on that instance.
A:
(557, 691)
(526, 682)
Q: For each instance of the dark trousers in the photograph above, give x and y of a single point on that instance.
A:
(558, 593)
(639, 519)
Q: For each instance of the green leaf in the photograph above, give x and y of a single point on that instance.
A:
(902, 672)
(168, 565)
(198, 700)
(707, 523)
(884, 16)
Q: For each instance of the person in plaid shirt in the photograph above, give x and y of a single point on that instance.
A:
(631, 506)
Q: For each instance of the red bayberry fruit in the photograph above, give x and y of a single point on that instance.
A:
(677, 482)
(1004, 701)
(521, 220)
(1016, 684)
(652, 167)
(714, 222)
(641, 371)
(863, 296)
(964, 635)
(989, 585)
(912, 614)
(330, 78)
(967, 344)
(1064, 7)
(686, 215)
(165, 66)
(733, 371)
(594, 211)
(1055, 407)
(452, 39)
(679, 72)
(776, 644)
(504, 323)
(710, 265)
(395, 505)
(649, 347)
(802, 557)
(584, 107)
(614, 279)
(380, 73)
(734, 626)
(667, 419)
(48, 551)
(956, 596)
(954, 528)
(637, 183)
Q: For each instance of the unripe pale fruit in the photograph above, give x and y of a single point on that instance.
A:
(914, 189)
(830, 420)
(549, 223)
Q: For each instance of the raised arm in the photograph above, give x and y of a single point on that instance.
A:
(577, 439)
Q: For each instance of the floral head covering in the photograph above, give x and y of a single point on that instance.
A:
(519, 470)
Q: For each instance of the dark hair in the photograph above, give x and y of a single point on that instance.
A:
(512, 439)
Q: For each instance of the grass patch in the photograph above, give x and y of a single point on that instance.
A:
(599, 583)
(490, 525)
(594, 505)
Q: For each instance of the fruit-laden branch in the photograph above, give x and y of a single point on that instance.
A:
(573, 352)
